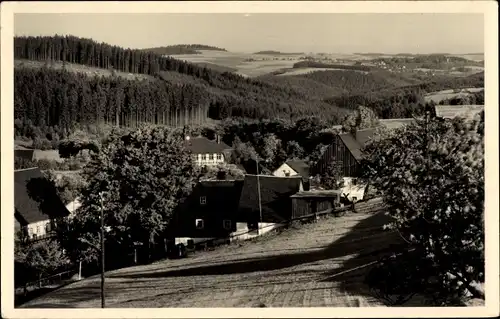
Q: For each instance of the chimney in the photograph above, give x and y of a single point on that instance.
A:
(217, 138)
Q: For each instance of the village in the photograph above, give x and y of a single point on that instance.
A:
(249, 162)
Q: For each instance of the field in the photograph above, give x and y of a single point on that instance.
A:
(449, 94)
(246, 64)
(311, 265)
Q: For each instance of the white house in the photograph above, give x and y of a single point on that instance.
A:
(206, 152)
(37, 205)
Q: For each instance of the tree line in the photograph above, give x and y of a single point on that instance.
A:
(183, 49)
(48, 98)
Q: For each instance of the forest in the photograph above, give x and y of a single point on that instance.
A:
(227, 94)
(315, 64)
(183, 49)
(403, 102)
(180, 93)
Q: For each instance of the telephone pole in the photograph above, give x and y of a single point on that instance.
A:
(258, 190)
(103, 302)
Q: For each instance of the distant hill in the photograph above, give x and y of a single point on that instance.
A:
(183, 49)
(314, 64)
(271, 52)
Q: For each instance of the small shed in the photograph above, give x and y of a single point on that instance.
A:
(308, 203)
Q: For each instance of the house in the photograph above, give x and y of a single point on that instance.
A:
(346, 149)
(37, 205)
(206, 152)
(210, 211)
(294, 168)
(265, 202)
(308, 203)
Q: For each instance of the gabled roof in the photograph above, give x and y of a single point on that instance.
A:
(300, 166)
(356, 142)
(202, 145)
(275, 195)
(35, 198)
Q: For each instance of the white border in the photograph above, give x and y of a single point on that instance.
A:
(489, 8)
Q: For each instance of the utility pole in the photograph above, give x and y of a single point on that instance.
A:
(258, 190)
(103, 302)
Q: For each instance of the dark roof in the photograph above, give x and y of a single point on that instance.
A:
(318, 193)
(275, 195)
(355, 142)
(24, 154)
(202, 145)
(35, 198)
(301, 167)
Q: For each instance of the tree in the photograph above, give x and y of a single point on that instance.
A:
(331, 178)
(432, 178)
(138, 179)
(222, 171)
(361, 118)
(270, 146)
(294, 150)
(39, 259)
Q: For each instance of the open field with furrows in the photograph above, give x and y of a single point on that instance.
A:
(79, 68)
(450, 94)
(312, 265)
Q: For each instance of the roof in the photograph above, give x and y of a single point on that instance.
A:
(451, 111)
(202, 145)
(352, 145)
(35, 198)
(25, 154)
(275, 195)
(318, 193)
(300, 166)
(356, 142)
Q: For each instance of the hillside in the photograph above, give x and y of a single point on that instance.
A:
(174, 88)
(312, 266)
(272, 52)
(183, 49)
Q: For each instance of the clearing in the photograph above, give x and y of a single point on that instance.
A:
(313, 265)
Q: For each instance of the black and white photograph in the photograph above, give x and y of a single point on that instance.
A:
(252, 155)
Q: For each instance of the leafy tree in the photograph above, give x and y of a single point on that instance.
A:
(331, 178)
(294, 150)
(138, 179)
(432, 178)
(270, 148)
(222, 171)
(39, 259)
(361, 118)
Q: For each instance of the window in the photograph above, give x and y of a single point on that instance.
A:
(47, 227)
(34, 236)
(38, 229)
(219, 157)
(203, 200)
(287, 173)
(30, 231)
(354, 198)
(354, 181)
(199, 224)
(226, 223)
(212, 157)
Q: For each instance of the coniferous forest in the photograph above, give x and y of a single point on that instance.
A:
(50, 97)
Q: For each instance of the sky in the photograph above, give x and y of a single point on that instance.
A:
(296, 32)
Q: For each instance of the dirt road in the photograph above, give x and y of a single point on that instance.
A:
(305, 267)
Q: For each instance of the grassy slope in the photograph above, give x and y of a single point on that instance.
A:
(302, 267)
